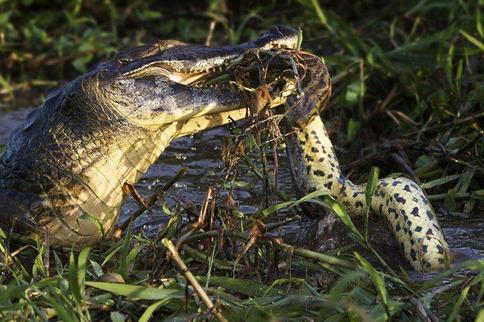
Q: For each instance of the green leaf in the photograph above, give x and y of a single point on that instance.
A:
(287, 204)
(450, 200)
(139, 292)
(345, 282)
(115, 250)
(94, 221)
(479, 29)
(424, 161)
(456, 309)
(81, 268)
(151, 309)
(440, 181)
(464, 181)
(58, 263)
(73, 279)
(60, 310)
(299, 38)
(377, 278)
(354, 91)
(80, 64)
(241, 286)
(97, 268)
(480, 316)
(478, 194)
(131, 257)
(352, 129)
(12, 291)
(236, 184)
(341, 212)
(117, 316)
(473, 40)
(369, 192)
(123, 266)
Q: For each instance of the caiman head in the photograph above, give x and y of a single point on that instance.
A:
(64, 170)
(170, 80)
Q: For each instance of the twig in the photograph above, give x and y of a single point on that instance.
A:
(175, 257)
(211, 28)
(201, 219)
(445, 125)
(259, 175)
(27, 85)
(202, 258)
(151, 200)
(422, 312)
(297, 250)
(130, 189)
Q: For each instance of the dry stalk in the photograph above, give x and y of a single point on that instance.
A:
(149, 202)
(201, 218)
(175, 257)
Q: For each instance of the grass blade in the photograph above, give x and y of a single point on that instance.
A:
(81, 268)
(139, 292)
(370, 191)
(377, 278)
(473, 40)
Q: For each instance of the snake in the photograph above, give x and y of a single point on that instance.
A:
(315, 167)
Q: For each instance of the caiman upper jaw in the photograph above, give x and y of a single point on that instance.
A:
(185, 64)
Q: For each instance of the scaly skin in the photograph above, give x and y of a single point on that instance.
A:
(315, 167)
(63, 172)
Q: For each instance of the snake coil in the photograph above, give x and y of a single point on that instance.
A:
(315, 167)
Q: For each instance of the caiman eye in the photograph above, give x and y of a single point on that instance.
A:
(124, 60)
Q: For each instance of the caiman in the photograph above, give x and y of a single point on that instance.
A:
(63, 171)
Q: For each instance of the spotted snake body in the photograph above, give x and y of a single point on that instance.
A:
(315, 167)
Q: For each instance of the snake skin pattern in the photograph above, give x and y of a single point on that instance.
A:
(316, 167)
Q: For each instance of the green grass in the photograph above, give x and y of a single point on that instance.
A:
(133, 278)
(408, 91)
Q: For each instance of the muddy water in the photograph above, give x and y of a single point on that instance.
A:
(201, 154)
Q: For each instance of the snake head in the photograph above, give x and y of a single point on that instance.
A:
(312, 91)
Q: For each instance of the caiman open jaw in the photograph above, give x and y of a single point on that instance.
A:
(185, 63)
(155, 85)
